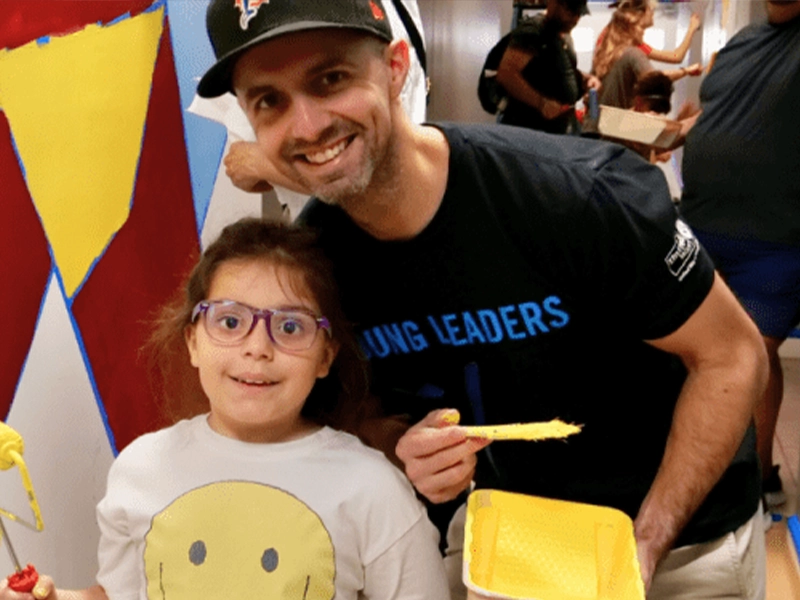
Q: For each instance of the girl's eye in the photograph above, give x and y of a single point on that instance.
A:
(290, 327)
(229, 322)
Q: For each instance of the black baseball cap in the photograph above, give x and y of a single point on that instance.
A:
(235, 26)
(579, 7)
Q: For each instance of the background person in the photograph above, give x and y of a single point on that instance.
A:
(539, 71)
(621, 57)
(742, 193)
(255, 493)
(477, 259)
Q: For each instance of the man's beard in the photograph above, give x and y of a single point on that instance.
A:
(346, 190)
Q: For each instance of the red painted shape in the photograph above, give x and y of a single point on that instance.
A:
(25, 265)
(22, 21)
(143, 266)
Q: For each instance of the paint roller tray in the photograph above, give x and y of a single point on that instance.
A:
(526, 547)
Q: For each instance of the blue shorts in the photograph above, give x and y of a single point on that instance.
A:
(765, 276)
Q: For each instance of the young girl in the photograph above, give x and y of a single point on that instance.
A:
(256, 495)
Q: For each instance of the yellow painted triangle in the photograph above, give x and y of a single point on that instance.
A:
(76, 106)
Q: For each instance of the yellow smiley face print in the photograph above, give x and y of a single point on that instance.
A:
(238, 539)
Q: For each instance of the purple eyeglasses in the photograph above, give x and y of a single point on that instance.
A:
(228, 323)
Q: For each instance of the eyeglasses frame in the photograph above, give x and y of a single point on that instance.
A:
(266, 315)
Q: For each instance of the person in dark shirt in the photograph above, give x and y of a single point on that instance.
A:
(539, 71)
(742, 193)
(481, 262)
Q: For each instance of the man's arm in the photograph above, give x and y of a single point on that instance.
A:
(247, 167)
(509, 75)
(727, 370)
(693, 70)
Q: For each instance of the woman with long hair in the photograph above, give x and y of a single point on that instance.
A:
(621, 56)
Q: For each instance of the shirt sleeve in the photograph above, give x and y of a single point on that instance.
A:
(411, 569)
(647, 49)
(525, 37)
(654, 273)
(120, 571)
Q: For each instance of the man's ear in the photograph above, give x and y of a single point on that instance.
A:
(400, 62)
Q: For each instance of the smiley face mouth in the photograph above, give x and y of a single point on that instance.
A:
(164, 593)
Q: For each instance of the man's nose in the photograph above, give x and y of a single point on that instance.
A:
(309, 118)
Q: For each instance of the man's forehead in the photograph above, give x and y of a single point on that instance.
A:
(303, 52)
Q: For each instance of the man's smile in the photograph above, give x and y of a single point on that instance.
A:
(324, 156)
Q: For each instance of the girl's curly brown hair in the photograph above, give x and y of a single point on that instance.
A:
(339, 400)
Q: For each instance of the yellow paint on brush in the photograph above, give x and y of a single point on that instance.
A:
(554, 429)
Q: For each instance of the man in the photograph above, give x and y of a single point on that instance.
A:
(480, 262)
(539, 71)
(741, 190)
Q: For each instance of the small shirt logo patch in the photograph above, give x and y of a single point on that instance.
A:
(683, 254)
(249, 9)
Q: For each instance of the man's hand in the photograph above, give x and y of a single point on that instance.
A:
(592, 82)
(246, 167)
(693, 70)
(694, 22)
(439, 459)
(648, 560)
(552, 109)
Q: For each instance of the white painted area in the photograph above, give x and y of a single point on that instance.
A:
(66, 450)
(228, 204)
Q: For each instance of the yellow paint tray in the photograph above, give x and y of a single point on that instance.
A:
(526, 547)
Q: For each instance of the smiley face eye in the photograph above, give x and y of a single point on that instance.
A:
(269, 560)
(197, 552)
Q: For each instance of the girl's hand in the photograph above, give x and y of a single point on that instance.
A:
(44, 589)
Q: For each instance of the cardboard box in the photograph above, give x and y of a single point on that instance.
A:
(625, 124)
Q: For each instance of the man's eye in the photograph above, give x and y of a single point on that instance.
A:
(268, 101)
(332, 78)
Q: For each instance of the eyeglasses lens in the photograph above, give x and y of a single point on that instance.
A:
(293, 330)
(230, 322)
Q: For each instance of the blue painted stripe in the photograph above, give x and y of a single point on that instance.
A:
(794, 530)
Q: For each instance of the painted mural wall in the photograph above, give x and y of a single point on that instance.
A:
(109, 185)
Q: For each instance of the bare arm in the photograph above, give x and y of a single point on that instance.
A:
(247, 167)
(677, 55)
(509, 75)
(727, 369)
(692, 70)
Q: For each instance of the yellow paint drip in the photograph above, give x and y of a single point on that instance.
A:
(554, 429)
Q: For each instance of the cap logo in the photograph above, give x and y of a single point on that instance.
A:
(376, 11)
(249, 9)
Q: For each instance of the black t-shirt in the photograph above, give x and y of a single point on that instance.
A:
(552, 71)
(741, 159)
(527, 298)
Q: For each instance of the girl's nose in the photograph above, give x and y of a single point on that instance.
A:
(258, 342)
